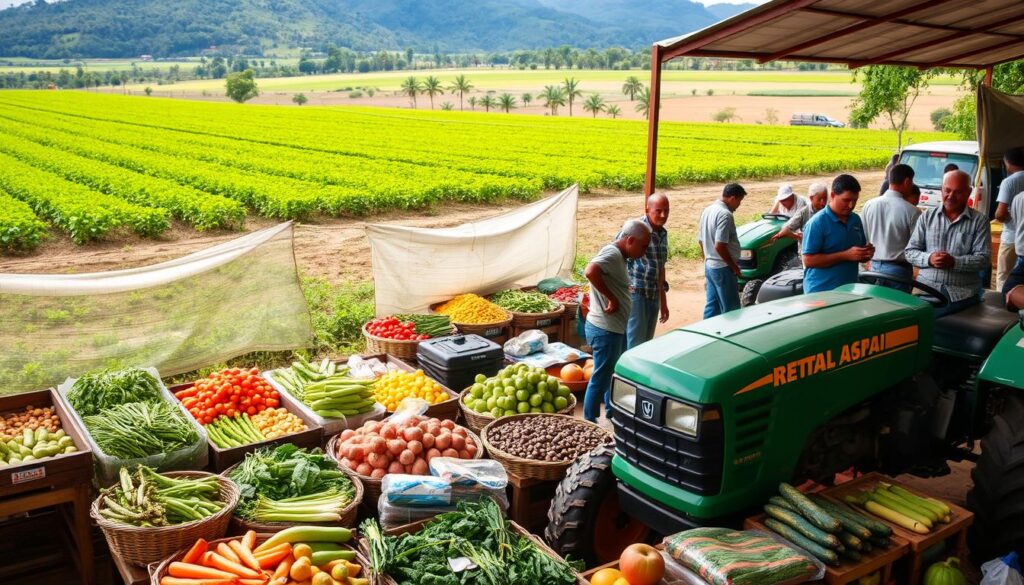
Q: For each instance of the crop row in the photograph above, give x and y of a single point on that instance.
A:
(20, 229)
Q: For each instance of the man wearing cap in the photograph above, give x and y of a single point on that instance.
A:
(888, 222)
(786, 202)
(720, 247)
(817, 196)
(834, 241)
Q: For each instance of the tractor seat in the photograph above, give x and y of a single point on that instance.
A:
(976, 330)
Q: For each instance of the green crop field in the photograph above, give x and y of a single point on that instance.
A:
(87, 164)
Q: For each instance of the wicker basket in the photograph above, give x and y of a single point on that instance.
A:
(159, 571)
(373, 486)
(349, 514)
(532, 468)
(140, 546)
(405, 350)
(476, 421)
(531, 320)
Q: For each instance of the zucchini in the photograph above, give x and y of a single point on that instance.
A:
(850, 555)
(879, 529)
(850, 541)
(798, 523)
(782, 503)
(850, 524)
(825, 555)
(881, 541)
(809, 509)
(897, 505)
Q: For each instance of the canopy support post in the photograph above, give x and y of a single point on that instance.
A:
(988, 76)
(653, 114)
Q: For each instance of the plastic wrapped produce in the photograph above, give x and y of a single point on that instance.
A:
(723, 556)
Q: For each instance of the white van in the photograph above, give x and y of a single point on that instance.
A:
(929, 159)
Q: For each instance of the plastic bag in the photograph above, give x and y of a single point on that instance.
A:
(723, 556)
(408, 408)
(107, 468)
(367, 369)
(391, 514)
(526, 343)
(469, 472)
(1002, 571)
(418, 491)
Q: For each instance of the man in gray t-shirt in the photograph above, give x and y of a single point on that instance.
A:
(721, 248)
(610, 304)
(1013, 184)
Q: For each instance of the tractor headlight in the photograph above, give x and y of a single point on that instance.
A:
(624, 395)
(746, 254)
(682, 417)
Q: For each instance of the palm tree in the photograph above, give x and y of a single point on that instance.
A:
(411, 87)
(526, 99)
(447, 106)
(472, 102)
(553, 97)
(507, 102)
(613, 111)
(644, 102)
(594, 104)
(572, 91)
(461, 86)
(431, 86)
(632, 87)
(488, 102)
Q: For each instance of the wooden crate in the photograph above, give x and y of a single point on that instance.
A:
(221, 459)
(956, 530)
(675, 573)
(529, 500)
(878, 559)
(447, 410)
(551, 327)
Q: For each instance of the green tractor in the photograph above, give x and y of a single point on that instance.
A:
(709, 418)
(761, 258)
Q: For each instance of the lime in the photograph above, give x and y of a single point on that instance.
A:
(547, 407)
(561, 403)
(553, 381)
(510, 413)
(478, 390)
(491, 402)
(522, 395)
(536, 400)
(510, 391)
(523, 407)
(536, 409)
(521, 383)
(542, 386)
(496, 412)
(547, 397)
(480, 378)
(480, 406)
(534, 378)
(564, 391)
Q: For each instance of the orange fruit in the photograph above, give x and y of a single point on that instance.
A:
(606, 577)
(571, 373)
(588, 372)
(588, 364)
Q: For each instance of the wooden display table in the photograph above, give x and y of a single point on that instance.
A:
(956, 530)
(131, 574)
(529, 500)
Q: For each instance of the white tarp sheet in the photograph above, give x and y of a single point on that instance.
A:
(1000, 125)
(416, 267)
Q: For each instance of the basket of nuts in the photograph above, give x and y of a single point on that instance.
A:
(541, 446)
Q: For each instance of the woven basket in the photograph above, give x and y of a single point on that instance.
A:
(373, 486)
(405, 350)
(159, 571)
(136, 545)
(476, 421)
(532, 468)
(349, 514)
(530, 319)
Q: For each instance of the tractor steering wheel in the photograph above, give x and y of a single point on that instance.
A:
(937, 298)
(775, 216)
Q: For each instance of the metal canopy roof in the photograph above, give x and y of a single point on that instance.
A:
(973, 34)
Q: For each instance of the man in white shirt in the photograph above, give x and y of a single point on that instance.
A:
(1013, 288)
(817, 197)
(786, 201)
(888, 222)
(721, 249)
(1013, 184)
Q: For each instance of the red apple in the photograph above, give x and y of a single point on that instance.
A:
(642, 564)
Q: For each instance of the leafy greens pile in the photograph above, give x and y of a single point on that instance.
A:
(96, 392)
(478, 532)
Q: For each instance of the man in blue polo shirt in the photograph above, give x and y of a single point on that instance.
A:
(834, 242)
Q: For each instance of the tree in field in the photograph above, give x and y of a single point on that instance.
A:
(432, 87)
(643, 104)
(771, 116)
(472, 102)
(460, 86)
(410, 58)
(411, 87)
(632, 87)
(724, 115)
(613, 111)
(299, 99)
(594, 104)
(148, 90)
(553, 97)
(241, 86)
(888, 91)
(507, 102)
(526, 98)
(572, 91)
(447, 107)
(488, 102)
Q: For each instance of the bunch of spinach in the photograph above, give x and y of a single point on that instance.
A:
(94, 393)
(478, 532)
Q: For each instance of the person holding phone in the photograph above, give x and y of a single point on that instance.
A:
(834, 241)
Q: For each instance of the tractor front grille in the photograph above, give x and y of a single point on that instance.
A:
(694, 464)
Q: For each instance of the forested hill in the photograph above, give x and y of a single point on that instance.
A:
(128, 28)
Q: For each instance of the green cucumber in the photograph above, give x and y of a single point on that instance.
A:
(850, 541)
(828, 556)
(783, 503)
(809, 509)
(798, 523)
(876, 528)
(850, 555)
(850, 524)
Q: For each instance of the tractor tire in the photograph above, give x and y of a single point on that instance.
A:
(573, 512)
(749, 295)
(997, 498)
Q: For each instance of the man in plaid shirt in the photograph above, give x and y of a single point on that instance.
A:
(951, 245)
(647, 276)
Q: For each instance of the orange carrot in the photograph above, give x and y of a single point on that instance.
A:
(248, 559)
(262, 581)
(181, 581)
(219, 562)
(272, 557)
(249, 540)
(225, 551)
(192, 571)
(196, 552)
(281, 572)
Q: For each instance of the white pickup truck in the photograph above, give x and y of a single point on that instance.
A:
(929, 159)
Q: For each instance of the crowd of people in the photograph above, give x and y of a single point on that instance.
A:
(948, 247)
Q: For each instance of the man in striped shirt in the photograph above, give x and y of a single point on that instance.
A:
(951, 245)
(647, 276)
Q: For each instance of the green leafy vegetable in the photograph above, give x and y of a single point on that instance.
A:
(94, 393)
(523, 301)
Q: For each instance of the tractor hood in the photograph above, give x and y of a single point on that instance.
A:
(756, 234)
(773, 344)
